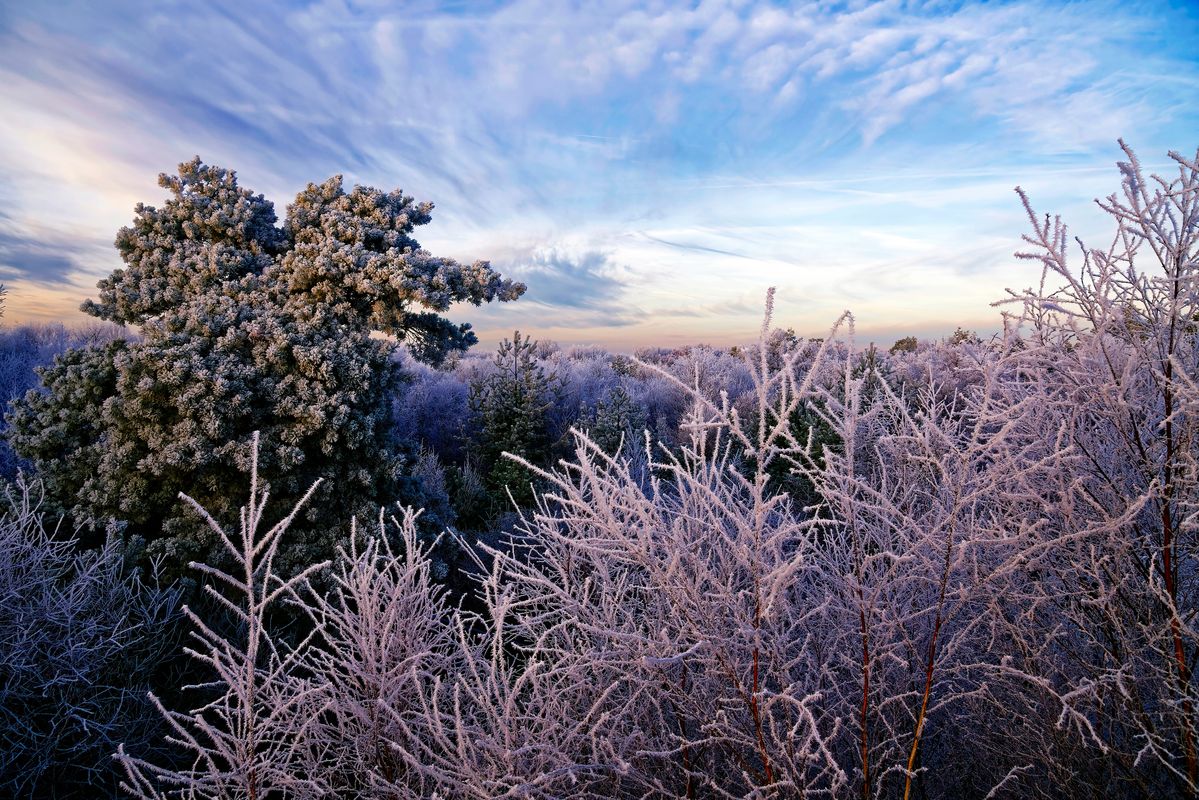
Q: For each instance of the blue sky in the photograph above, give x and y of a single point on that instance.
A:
(649, 169)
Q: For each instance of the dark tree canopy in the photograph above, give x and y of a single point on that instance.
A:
(248, 326)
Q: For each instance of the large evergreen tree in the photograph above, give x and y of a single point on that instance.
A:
(246, 325)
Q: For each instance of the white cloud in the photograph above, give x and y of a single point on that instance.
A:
(682, 141)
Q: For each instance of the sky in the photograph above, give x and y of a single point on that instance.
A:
(648, 169)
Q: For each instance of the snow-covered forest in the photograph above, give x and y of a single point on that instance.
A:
(255, 550)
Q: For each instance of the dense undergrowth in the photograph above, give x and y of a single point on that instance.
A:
(802, 569)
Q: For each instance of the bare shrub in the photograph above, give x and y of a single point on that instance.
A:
(989, 590)
(81, 634)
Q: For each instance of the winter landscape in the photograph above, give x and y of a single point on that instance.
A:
(705, 417)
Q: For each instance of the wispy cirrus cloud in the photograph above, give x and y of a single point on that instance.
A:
(569, 289)
(696, 146)
(585, 281)
(41, 255)
(36, 260)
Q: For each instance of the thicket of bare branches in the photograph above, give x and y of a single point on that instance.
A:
(1114, 337)
(80, 635)
(991, 595)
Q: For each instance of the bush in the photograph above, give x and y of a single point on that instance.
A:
(992, 595)
(26, 348)
(81, 638)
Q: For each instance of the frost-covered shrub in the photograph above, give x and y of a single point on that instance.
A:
(430, 473)
(247, 325)
(694, 633)
(1112, 342)
(945, 367)
(82, 635)
(664, 402)
(253, 739)
(430, 409)
(990, 595)
(585, 378)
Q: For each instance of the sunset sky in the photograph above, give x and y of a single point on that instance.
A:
(649, 169)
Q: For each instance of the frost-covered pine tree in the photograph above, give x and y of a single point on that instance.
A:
(617, 421)
(247, 325)
(511, 409)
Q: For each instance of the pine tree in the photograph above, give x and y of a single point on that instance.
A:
(511, 409)
(247, 326)
(618, 422)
